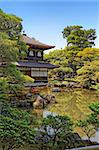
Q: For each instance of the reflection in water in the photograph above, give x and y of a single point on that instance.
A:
(72, 102)
(40, 113)
(47, 113)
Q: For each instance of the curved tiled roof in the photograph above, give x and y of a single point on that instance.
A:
(36, 65)
(35, 44)
(30, 64)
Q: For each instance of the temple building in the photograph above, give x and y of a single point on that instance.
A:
(34, 64)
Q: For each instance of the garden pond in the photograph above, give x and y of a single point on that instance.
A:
(71, 102)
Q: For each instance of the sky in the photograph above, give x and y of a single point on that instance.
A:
(45, 19)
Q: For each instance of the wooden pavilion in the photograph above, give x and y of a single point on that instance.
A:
(34, 65)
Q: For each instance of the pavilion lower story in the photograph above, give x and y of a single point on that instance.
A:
(38, 74)
(37, 70)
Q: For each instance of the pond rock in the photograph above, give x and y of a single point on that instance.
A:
(50, 99)
(41, 102)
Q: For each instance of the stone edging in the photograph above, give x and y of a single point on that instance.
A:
(87, 147)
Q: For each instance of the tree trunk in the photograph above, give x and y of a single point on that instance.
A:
(54, 140)
(3, 147)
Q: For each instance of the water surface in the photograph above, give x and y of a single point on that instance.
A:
(72, 102)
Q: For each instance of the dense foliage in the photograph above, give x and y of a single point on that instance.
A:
(91, 123)
(78, 60)
(56, 133)
(10, 24)
(15, 130)
(10, 32)
(77, 36)
(10, 46)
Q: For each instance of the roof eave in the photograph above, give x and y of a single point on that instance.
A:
(34, 43)
(41, 47)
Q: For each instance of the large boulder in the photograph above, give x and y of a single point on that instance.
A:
(39, 103)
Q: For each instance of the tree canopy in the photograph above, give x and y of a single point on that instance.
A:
(78, 60)
(8, 49)
(77, 36)
(10, 24)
